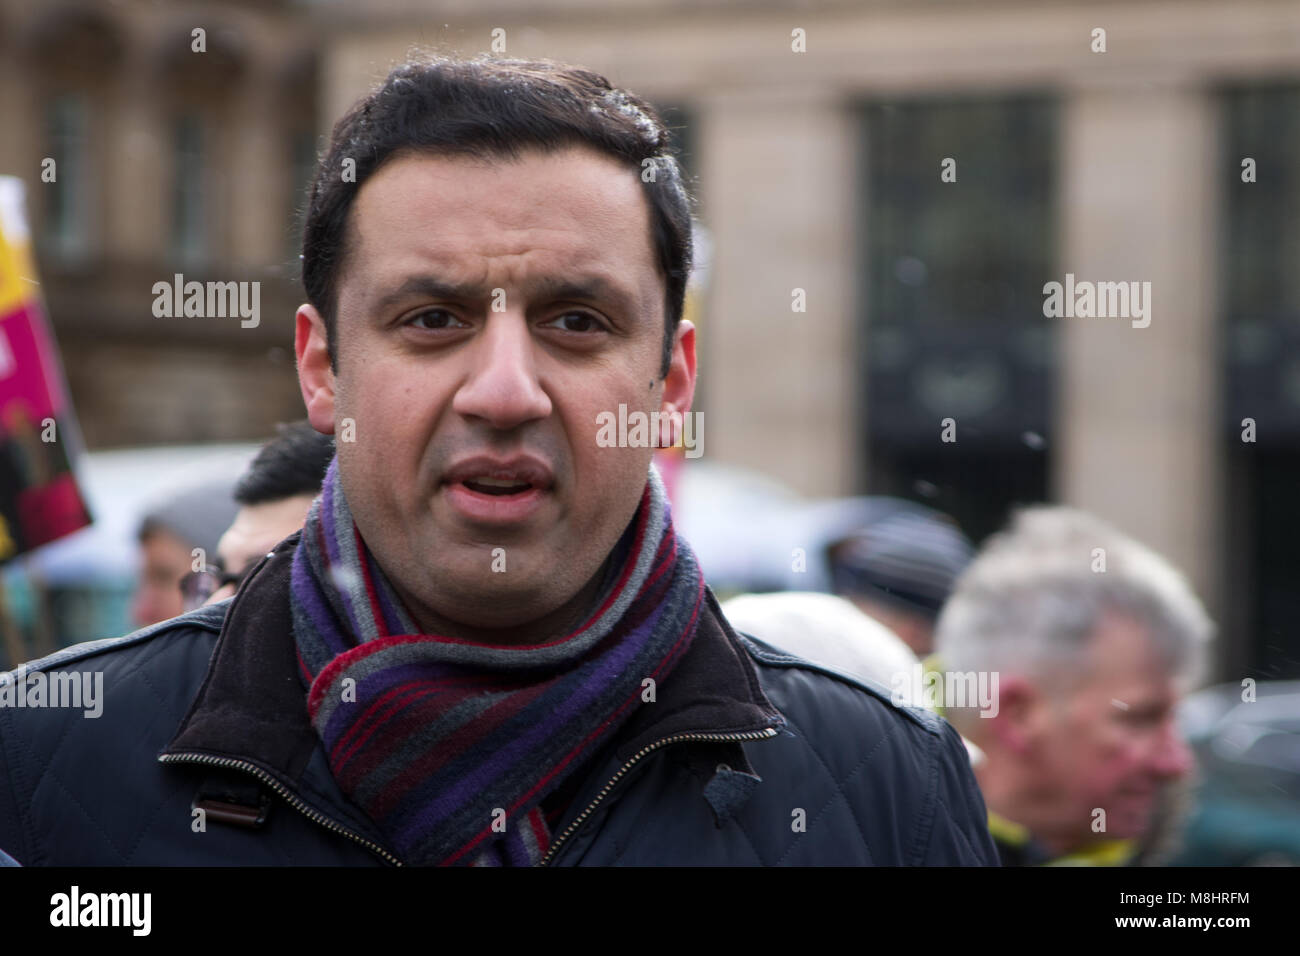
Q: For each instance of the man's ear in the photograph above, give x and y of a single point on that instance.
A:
(1019, 723)
(315, 377)
(679, 383)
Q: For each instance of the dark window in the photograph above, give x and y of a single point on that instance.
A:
(189, 211)
(67, 213)
(1260, 269)
(953, 327)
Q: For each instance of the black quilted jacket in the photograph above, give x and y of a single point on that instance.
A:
(748, 756)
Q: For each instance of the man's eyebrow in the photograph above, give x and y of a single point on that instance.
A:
(589, 288)
(430, 286)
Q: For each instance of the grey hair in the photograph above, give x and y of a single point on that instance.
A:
(1033, 597)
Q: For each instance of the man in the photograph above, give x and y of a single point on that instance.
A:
(273, 495)
(488, 645)
(190, 520)
(900, 570)
(1093, 638)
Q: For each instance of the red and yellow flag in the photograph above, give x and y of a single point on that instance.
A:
(39, 498)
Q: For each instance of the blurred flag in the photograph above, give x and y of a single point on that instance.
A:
(39, 498)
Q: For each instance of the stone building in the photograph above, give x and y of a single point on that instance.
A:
(919, 171)
(173, 152)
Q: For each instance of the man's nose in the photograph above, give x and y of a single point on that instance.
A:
(502, 387)
(144, 606)
(1173, 757)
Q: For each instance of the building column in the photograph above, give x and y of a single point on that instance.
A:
(1139, 408)
(258, 218)
(21, 132)
(137, 170)
(777, 179)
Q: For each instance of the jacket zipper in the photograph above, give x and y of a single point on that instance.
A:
(604, 791)
(324, 821)
(289, 797)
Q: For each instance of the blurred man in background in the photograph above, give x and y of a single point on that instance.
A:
(1093, 639)
(169, 535)
(900, 569)
(273, 495)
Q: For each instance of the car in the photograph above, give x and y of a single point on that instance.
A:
(1247, 803)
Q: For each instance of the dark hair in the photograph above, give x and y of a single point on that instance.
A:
(292, 463)
(488, 108)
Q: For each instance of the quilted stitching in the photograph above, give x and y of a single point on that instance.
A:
(38, 852)
(753, 848)
(132, 674)
(969, 846)
(838, 787)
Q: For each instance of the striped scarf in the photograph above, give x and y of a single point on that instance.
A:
(450, 746)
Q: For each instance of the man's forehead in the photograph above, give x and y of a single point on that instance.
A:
(1125, 662)
(1123, 643)
(536, 191)
(571, 217)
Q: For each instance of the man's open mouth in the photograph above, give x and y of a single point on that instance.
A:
(497, 486)
(496, 490)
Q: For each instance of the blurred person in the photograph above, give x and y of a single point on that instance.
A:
(274, 496)
(823, 629)
(831, 631)
(900, 570)
(194, 518)
(1093, 638)
(488, 645)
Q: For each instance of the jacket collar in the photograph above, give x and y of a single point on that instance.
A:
(251, 706)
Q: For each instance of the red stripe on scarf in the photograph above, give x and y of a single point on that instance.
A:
(302, 666)
(325, 679)
(422, 684)
(433, 760)
(540, 832)
(415, 706)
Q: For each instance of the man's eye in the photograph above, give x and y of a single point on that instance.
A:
(1145, 717)
(432, 319)
(585, 322)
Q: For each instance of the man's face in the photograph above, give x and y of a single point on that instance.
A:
(256, 530)
(165, 559)
(1113, 743)
(493, 311)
